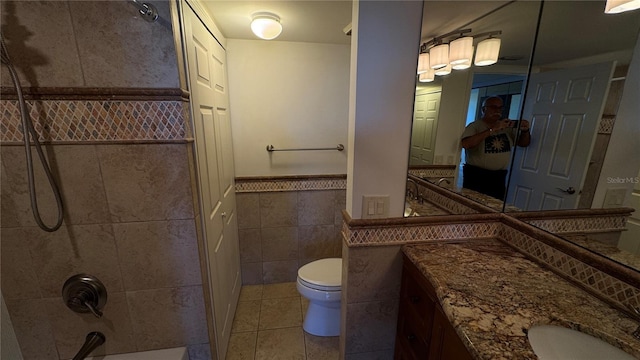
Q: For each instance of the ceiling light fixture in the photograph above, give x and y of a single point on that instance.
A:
(427, 76)
(266, 25)
(461, 50)
(458, 53)
(618, 6)
(423, 63)
(487, 52)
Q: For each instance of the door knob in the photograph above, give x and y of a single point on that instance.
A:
(568, 190)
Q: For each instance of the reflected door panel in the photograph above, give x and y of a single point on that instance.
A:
(565, 107)
(425, 124)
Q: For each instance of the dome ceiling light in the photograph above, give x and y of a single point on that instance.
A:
(266, 25)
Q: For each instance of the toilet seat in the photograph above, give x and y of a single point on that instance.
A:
(324, 274)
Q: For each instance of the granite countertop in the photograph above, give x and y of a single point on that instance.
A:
(492, 294)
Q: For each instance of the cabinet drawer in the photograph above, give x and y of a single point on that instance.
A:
(411, 340)
(417, 304)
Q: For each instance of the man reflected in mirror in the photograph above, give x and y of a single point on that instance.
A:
(488, 142)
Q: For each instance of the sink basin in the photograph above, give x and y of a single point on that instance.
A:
(557, 342)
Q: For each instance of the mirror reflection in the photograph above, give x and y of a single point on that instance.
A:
(449, 103)
(576, 159)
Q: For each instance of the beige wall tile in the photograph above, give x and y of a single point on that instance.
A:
(279, 271)
(158, 254)
(34, 333)
(122, 57)
(278, 209)
(250, 245)
(168, 317)
(73, 250)
(37, 34)
(371, 326)
(341, 204)
(318, 242)
(316, 207)
(279, 243)
(19, 280)
(77, 174)
(146, 182)
(251, 273)
(374, 273)
(242, 346)
(248, 205)
(281, 344)
(70, 329)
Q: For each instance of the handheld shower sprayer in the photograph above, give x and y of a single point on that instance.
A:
(28, 129)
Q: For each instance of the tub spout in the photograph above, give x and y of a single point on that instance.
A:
(93, 340)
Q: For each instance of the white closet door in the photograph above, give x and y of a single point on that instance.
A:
(212, 128)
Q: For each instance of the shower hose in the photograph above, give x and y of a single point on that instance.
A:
(27, 129)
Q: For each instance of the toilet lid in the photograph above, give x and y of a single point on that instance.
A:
(324, 272)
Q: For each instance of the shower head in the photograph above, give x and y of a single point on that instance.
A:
(146, 10)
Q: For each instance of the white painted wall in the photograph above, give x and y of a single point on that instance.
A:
(289, 95)
(384, 50)
(622, 160)
(456, 89)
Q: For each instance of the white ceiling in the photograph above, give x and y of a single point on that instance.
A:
(571, 29)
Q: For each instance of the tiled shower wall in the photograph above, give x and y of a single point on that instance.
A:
(282, 227)
(129, 206)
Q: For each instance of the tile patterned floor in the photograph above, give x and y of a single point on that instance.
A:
(268, 325)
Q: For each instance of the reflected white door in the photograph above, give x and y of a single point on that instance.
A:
(564, 108)
(212, 128)
(425, 124)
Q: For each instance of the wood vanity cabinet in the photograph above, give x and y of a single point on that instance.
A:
(424, 332)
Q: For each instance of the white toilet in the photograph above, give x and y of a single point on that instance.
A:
(320, 282)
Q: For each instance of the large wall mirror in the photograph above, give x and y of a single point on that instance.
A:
(581, 54)
(444, 106)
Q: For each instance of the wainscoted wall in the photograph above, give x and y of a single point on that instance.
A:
(111, 112)
(287, 222)
(130, 220)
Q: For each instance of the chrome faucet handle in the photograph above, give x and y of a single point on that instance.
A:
(635, 311)
(635, 314)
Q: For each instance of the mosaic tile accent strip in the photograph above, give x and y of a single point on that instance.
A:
(433, 173)
(582, 225)
(408, 234)
(451, 205)
(93, 120)
(606, 124)
(249, 186)
(589, 277)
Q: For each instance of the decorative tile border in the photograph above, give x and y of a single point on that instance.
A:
(395, 235)
(97, 120)
(606, 124)
(453, 206)
(588, 277)
(581, 224)
(288, 184)
(433, 173)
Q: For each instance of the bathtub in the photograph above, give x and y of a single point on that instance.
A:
(164, 354)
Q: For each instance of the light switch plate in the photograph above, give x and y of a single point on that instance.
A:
(375, 207)
(614, 197)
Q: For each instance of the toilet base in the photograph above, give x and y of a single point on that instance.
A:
(322, 320)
